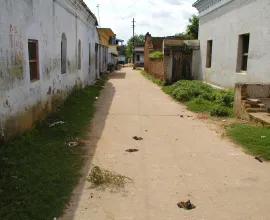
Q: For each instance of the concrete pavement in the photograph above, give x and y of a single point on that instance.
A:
(179, 159)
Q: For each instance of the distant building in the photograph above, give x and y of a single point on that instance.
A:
(234, 41)
(178, 58)
(46, 49)
(106, 53)
(139, 55)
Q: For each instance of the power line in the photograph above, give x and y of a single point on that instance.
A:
(129, 7)
(132, 3)
(113, 5)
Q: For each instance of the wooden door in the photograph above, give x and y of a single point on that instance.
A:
(182, 63)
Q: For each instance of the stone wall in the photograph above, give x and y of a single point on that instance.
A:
(251, 98)
(23, 101)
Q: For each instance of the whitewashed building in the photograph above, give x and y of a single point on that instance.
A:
(46, 49)
(234, 41)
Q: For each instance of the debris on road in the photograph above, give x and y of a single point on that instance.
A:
(102, 177)
(73, 144)
(137, 138)
(132, 150)
(259, 159)
(80, 142)
(203, 116)
(186, 205)
(56, 123)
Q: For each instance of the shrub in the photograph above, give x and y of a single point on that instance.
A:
(156, 55)
(224, 97)
(219, 110)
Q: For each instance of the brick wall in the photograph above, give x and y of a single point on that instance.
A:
(154, 67)
(146, 52)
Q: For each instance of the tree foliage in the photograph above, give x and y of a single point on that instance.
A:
(192, 29)
(139, 41)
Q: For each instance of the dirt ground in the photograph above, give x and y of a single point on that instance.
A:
(179, 158)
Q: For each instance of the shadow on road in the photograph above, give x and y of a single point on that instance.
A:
(97, 126)
(117, 75)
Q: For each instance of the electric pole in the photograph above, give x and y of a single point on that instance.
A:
(98, 14)
(133, 54)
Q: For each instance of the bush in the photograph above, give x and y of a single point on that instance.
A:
(219, 110)
(224, 97)
(186, 90)
(156, 55)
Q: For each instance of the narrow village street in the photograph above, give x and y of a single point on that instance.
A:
(179, 158)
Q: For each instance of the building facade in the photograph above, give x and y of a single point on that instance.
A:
(46, 49)
(105, 54)
(234, 41)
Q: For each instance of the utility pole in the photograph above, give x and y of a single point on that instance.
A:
(133, 54)
(98, 14)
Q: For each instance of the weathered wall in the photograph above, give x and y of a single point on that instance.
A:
(168, 62)
(196, 67)
(224, 26)
(23, 102)
(244, 92)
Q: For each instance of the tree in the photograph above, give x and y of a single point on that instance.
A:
(139, 41)
(192, 29)
(183, 34)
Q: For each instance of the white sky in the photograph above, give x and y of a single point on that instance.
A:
(158, 17)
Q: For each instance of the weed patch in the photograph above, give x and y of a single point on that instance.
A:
(154, 80)
(39, 170)
(156, 55)
(200, 97)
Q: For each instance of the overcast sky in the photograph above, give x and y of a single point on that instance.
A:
(158, 17)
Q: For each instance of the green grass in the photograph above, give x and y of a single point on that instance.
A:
(156, 55)
(38, 171)
(196, 105)
(250, 137)
(151, 78)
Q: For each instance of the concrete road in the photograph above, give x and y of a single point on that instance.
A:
(178, 159)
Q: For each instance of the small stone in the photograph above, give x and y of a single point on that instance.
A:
(186, 205)
(137, 138)
(259, 159)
